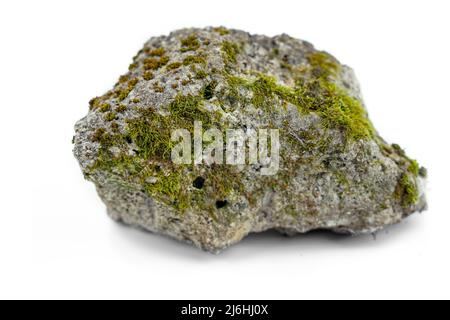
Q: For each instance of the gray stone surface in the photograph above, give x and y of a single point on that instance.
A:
(336, 173)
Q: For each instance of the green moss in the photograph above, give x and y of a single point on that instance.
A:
(158, 88)
(148, 75)
(124, 78)
(222, 31)
(407, 191)
(201, 74)
(150, 134)
(337, 109)
(341, 179)
(104, 107)
(168, 186)
(230, 50)
(414, 168)
(133, 66)
(399, 150)
(222, 180)
(189, 108)
(154, 63)
(174, 66)
(190, 43)
(158, 52)
(94, 103)
(323, 64)
(121, 108)
(115, 127)
(98, 135)
(110, 116)
(194, 59)
(123, 93)
(344, 112)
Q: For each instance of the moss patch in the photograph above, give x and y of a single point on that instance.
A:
(148, 75)
(123, 92)
(190, 43)
(158, 52)
(230, 50)
(174, 66)
(414, 168)
(407, 191)
(194, 59)
(153, 63)
(151, 166)
(337, 109)
(110, 116)
(222, 31)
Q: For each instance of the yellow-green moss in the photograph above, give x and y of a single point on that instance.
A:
(94, 103)
(190, 43)
(98, 135)
(122, 93)
(121, 108)
(337, 109)
(150, 134)
(104, 107)
(158, 88)
(230, 50)
(158, 52)
(154, 63)
(222, 31)
(407, 191)
(110, 116)
(115, 127)
(148, 75)
(323, 64)
(414, 168)
(194, 59)
(133, 66)
(124, 78)
(173, 66)
(201, 74)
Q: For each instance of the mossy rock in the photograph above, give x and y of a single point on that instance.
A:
(336, 172)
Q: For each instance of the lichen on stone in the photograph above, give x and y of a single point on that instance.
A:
(336, 172)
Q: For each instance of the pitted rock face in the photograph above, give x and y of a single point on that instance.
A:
(335, 171)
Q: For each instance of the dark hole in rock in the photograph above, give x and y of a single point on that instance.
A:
(208, 92)
(128, 139)
(199, 182)
(221, 204)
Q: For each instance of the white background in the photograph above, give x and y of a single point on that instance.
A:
(55, 238)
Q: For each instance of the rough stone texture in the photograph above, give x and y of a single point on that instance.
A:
(336, 172)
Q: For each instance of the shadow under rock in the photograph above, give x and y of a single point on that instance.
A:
(269, 242)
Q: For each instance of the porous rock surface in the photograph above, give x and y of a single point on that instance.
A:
(336, 173)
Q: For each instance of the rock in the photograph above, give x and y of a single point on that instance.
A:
(335, 171)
